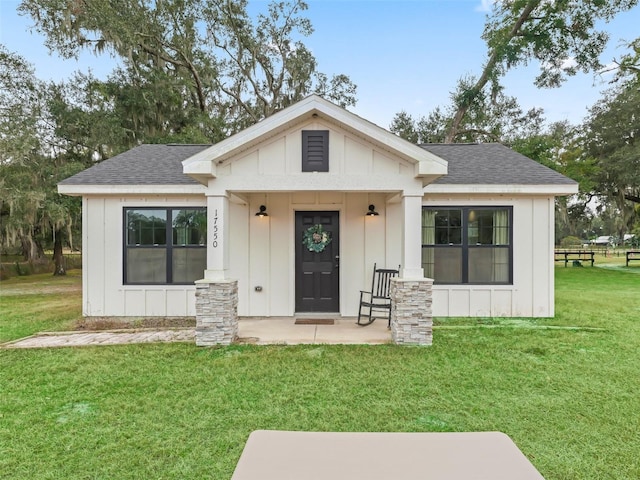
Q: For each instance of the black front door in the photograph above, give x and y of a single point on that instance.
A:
(317, 262)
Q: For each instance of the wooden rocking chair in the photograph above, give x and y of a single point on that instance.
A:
(378, 298)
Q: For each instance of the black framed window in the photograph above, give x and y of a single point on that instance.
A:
(164, 245)
(467, 245)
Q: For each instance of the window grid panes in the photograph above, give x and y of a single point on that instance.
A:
(164, 246)
(467, 245)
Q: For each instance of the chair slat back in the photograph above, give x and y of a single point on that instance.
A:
(381, 284)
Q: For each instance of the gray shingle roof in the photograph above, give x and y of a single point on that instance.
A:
(143, 165)
(480, 164)
(492, 164)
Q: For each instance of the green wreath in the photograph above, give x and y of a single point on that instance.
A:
(316, 239)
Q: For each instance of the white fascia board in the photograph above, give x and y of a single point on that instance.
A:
(307, 109)
(432, 169)
(264, 128)
(556, 190)
(79, 190)
(425, 161)
(200, 166)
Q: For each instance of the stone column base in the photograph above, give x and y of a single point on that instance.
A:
(411, 317)
(216, 312)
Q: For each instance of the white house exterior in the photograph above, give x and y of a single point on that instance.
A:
(481, 217)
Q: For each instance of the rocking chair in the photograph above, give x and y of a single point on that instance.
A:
(378, 298)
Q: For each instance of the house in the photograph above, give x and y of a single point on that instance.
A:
(602, 240)
(289, 216)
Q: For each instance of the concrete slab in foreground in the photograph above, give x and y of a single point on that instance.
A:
(279, 455)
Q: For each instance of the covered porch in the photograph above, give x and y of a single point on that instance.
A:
(311, 171)
(260, 267)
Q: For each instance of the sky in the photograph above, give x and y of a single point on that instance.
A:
(402, 55)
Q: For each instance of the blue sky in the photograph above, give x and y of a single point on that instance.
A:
(403, 55)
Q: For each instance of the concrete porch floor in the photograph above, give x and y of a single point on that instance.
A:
(252, 330)
(283, 330)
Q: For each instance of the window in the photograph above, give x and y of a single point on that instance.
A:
(315, 150)
(467, 245)
(164, 245)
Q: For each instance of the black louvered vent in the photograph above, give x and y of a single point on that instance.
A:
(315, 150)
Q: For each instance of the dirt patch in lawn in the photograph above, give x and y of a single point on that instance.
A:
(120, 323)
(40, 289)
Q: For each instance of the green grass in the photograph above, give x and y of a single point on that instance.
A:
(37, 303)
(568, 397)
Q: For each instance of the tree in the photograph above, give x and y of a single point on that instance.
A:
(21, 105)
(87, 125)
(31, 211)
(496, 118)
(629, 63)
(559, 146)
(612, 132)
(561, 35)
(203, 64)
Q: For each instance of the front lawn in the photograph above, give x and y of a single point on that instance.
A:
(567, 396)
(37, 303)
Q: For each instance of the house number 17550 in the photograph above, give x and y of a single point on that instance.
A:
(215, 229)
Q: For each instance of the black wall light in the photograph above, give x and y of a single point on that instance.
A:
(262, 212)
(372, 211)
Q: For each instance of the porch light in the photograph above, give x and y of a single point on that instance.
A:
(372, 211)
(262, 212)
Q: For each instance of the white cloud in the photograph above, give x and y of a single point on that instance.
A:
(609, 70)
(568, 63)
(485, 5)
(559, 64)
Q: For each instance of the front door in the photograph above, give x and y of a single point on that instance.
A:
(317, 262)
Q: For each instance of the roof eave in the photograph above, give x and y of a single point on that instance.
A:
(538, 189)
(81, 190)
(200, 167)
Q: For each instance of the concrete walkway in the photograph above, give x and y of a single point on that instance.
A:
(258, 331)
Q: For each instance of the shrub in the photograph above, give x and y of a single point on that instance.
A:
(570, 242)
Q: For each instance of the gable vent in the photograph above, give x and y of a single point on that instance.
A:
(315, 150)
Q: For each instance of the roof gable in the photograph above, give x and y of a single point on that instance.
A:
(314, 108)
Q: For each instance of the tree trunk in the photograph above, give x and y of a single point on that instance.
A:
(31, 251)
(58, 256)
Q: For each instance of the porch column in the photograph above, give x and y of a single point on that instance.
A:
(217, 294)
(411, 295)
(412, 237)
(218, 237)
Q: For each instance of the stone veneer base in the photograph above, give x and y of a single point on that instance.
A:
(411, 314)
(216, 312)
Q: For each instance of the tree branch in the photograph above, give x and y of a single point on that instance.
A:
(487, 72)
(632, 198)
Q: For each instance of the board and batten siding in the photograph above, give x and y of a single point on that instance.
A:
(276, 165)
(263, 249)
(532, 292)
(102, 270)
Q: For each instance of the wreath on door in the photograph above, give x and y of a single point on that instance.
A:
(315, 238)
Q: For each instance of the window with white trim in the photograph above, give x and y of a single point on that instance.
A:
(467, 245)
(164, 245)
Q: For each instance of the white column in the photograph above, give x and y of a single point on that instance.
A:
(217, 237)
(412, 237)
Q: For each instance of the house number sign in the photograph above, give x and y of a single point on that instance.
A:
(215, 228)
